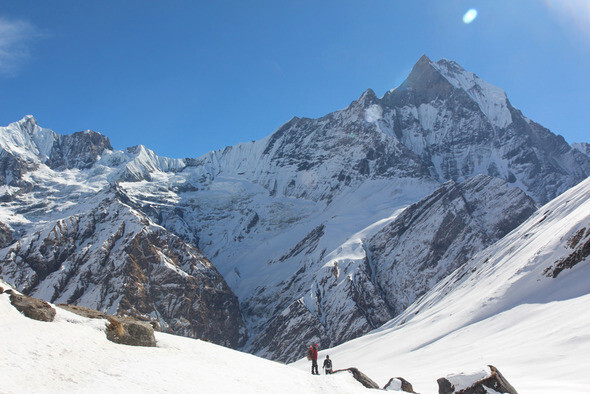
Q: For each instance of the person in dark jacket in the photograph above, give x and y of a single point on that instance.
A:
(328, 365)
(314, 359)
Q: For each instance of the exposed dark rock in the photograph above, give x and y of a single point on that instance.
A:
(12, 169)
(445, 386)
(438, 234)
(78, 150)
(5, 235)
(128, 331)
(199, 305)
(308, 244)
(123, 330)
(580, 242)
(401, 383)
(32, 308)
(361, 377)
(495, 381)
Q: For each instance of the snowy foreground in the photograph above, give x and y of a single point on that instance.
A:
(72, 355)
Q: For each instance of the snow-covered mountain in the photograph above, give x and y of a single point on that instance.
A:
(115, 259)
(521, 304)
(301, 224)
(382, 269)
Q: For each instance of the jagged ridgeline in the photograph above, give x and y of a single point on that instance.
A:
(318, 233)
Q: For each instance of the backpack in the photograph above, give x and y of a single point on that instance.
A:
(308, 354)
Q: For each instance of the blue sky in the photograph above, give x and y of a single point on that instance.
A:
(187, 77)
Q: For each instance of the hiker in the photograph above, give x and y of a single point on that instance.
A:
(328, 365)
(313, 356)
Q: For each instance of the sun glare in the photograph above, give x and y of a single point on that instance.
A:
(470, 16)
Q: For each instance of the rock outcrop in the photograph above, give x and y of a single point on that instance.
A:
(5, 235)
(399, 384)
(33, 308)
(494, 381)
(127, 331)
(361, 377)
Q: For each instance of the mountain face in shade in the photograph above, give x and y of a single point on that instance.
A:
(114, 258)
(323, 230)
(383, 269)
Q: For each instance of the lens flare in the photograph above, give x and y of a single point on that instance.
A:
(470, 16)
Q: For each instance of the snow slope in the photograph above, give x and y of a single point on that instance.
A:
(516, 305)
(72, 355)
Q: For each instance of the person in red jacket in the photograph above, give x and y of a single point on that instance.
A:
(314, 359)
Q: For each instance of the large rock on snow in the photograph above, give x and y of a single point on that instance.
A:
(476, 383)
(32, 308)
(399, 384)
(361, 377)
(128, 331)
(121, 329)
(84, 311)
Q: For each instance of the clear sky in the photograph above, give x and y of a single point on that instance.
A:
(187, 77)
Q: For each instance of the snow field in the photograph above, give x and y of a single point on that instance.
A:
(72, 355)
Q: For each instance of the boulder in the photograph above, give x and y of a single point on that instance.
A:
(129, 331)
(361, 377)
(461, 384)
(32, 308)
(397, 384)
(123, 330)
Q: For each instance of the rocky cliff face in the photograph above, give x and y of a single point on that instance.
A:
(379, 272)
(78, 150)
(113, 258)
(432, 238)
